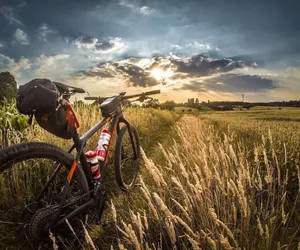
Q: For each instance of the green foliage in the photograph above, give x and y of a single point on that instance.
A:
(12, 124)
(153, 103)
(8, 86)
(169, 105)
(10, 118)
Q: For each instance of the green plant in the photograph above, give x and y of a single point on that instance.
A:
(11, 122)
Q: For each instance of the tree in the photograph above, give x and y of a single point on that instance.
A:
(153, 103)
(8, 86)
(170, 105)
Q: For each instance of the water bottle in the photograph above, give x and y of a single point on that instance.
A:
(94, 156)
(92, 159)
(103, 144)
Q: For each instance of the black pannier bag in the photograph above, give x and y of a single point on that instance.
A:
(56, 123)
(41, 98)
(37, 95)
(109, 106)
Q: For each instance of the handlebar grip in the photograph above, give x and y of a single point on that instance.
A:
(153, 92)
(90, 98)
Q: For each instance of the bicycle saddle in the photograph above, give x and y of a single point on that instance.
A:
(64, 88)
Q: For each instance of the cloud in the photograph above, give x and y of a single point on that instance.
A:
(110, 45)
(127, 70)
(233, 83)
(21, 37)
(193, 48)
(146, 11)
(1, 45)
(101, 46)
(127, 4)
(8, 13)
(104, 70)
(135, 6)
(138, 72)
(13, 66)
(21, 5)
(85, 42)
(44, 30)
(136, 76)
(56, 66)
(203, 65)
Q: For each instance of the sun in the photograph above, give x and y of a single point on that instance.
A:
(159, 74)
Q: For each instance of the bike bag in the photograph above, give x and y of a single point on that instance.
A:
(56, 122)
(41, 98)
(38, 95)
(110, 105)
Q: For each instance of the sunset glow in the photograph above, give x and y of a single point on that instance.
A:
(160, 75)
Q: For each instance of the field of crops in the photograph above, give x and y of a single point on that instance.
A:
(211, 180)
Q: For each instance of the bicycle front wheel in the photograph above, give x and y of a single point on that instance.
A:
(127, 158)
(24, 170)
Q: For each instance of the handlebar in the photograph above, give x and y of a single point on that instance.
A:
(123, 97)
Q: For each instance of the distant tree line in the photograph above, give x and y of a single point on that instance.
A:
(216, 105)
(292, 103)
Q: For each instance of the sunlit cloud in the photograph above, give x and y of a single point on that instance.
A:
(16, 67)
(161, 75)
(49, 66)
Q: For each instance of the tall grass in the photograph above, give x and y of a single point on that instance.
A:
(150, 123)
(26, 179)
(211, 192)
(203, 185)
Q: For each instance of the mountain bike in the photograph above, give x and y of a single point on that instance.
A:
(44, 188)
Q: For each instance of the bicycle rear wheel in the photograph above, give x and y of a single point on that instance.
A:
(127, 163)
(24, 170)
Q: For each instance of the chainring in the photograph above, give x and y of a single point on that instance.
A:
(39, 225)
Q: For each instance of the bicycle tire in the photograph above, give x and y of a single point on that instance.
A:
(118, 158)
(20, 153)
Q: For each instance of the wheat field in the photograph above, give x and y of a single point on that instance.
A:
(209, 181)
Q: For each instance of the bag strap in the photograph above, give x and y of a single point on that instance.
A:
(71, 117)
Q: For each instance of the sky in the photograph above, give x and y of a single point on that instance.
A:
(209, 49)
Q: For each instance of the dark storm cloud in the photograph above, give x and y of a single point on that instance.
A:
(160, 62)
(103, 73)
(200, 65)
(136, 76)
(182, 68)
(194, 86)
(103, 44)
(185, 28)
(174, 33)
(232, 83)
(133, 75)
